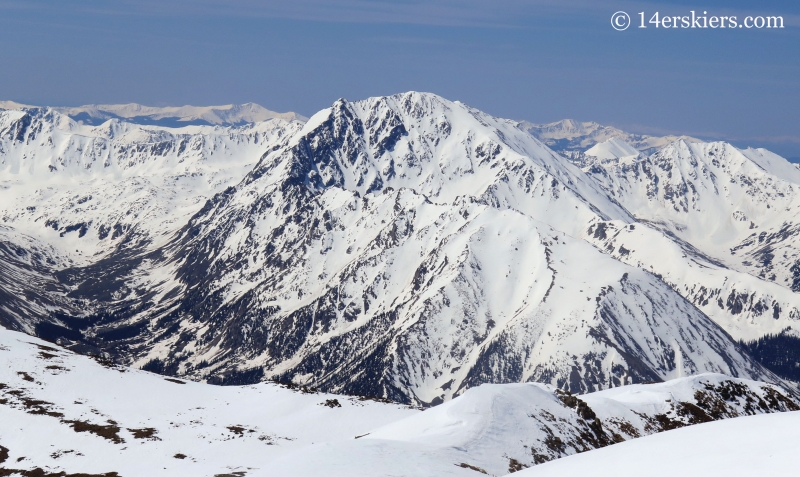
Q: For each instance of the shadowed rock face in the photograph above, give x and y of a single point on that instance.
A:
(404, 247)
(548, 423)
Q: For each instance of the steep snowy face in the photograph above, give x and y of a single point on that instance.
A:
(406, 247)
(402, 268)
(746, 306)
(444, 150)
(728, 220)
(709, 194)
(86, 189)
(410, 300)
(29, 290)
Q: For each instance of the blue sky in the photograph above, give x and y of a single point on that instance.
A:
(540, 60)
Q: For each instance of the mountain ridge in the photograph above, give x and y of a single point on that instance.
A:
(369, 251)
(169, 116)
(564, 136)
(570, 136)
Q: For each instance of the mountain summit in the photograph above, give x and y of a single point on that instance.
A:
(406, 247)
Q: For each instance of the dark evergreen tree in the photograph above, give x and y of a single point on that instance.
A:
(778, 353)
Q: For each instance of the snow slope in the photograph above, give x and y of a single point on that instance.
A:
(755, 445)
(64, 412)
(727, 218)
(84, 188)
(710, 194)
(406, 246)
(502, 428)
(744, 305)
(59, 410)
(28, 288)
(613, 150)
(409, 247)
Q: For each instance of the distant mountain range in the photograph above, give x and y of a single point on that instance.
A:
(563, 136)
(406, 247)
(574, 136)
(172, 116)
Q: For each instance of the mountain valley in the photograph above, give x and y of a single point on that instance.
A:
(232, 291)
(404, 247)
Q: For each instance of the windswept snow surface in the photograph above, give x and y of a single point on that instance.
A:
(59, 410)
(748, 446)
(64, 412)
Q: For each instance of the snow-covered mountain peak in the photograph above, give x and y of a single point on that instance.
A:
(733, 211)
(773, 164)
(14, 105)
(699, 185)
(412, 247)
(403, 246)
(83, 187)
(443, 150)
(227, 115)
(614, 149)
(44, 141)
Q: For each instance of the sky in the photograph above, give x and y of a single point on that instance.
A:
(538, 60)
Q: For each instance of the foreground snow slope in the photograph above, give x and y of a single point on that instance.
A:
(64, 412)
(502, 428)
(749, 446)
(59, 410)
